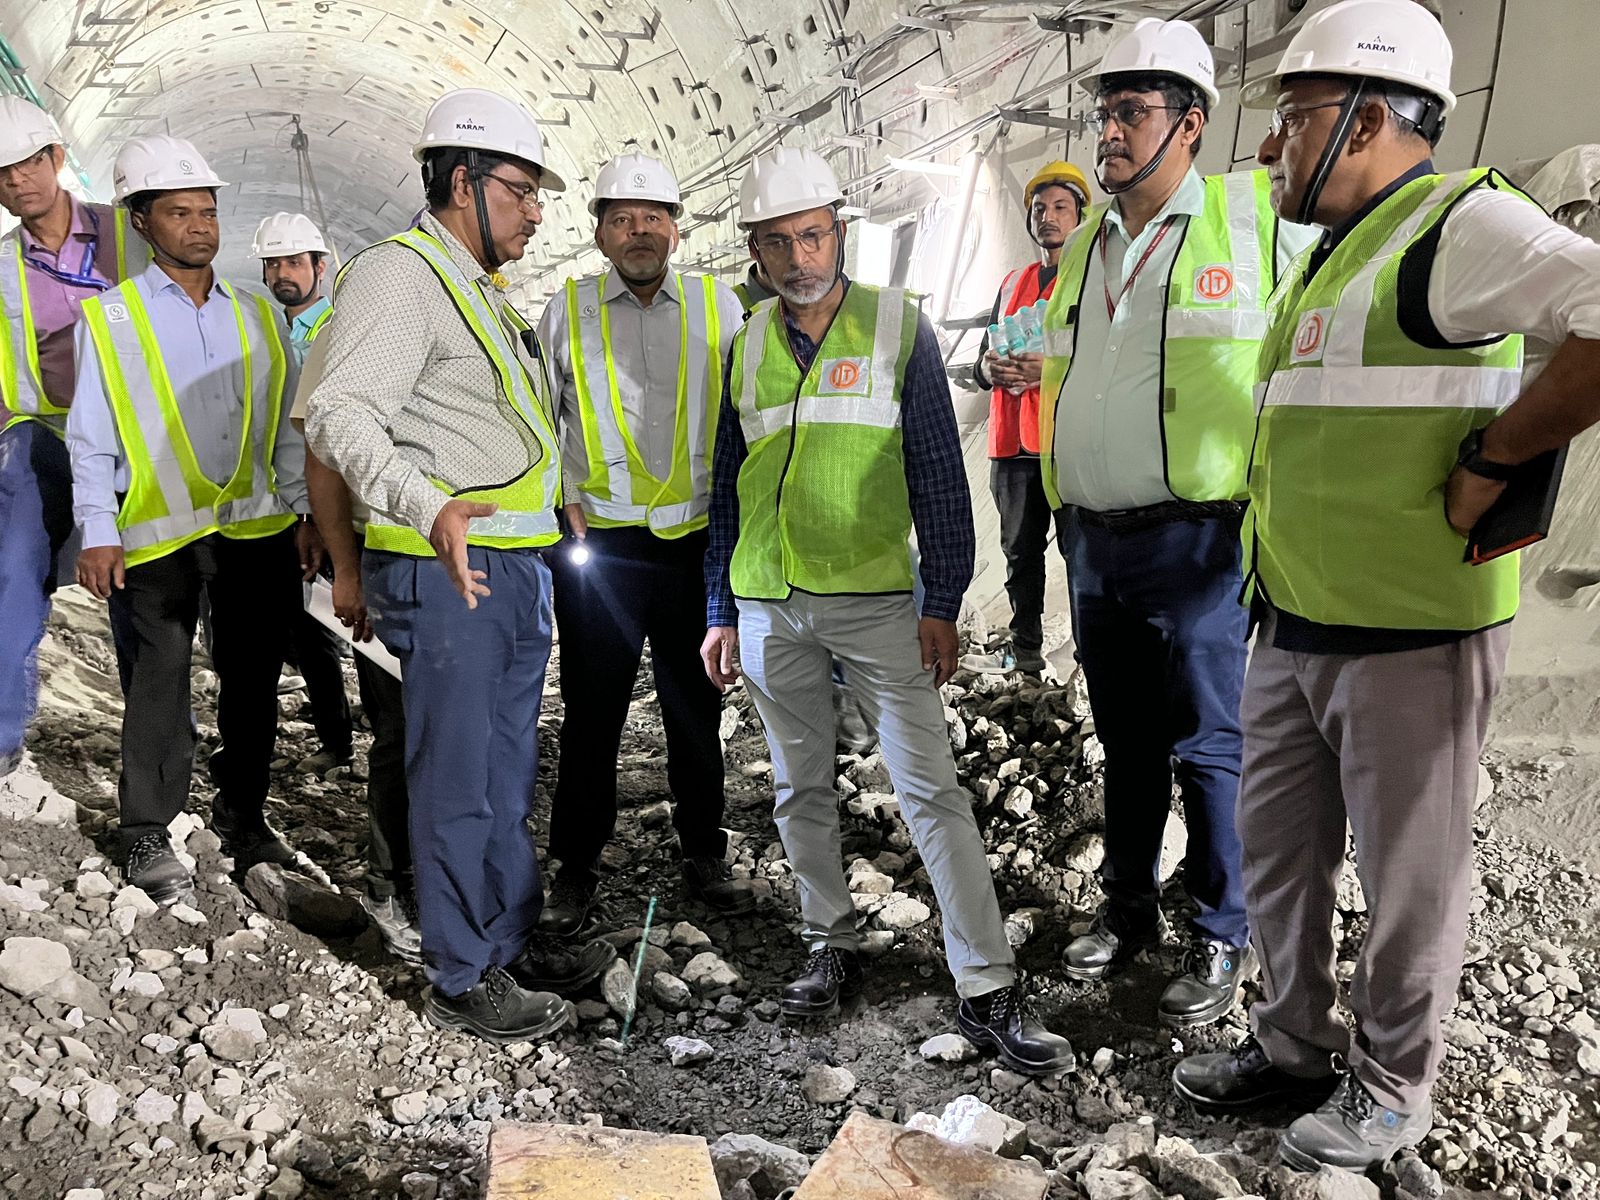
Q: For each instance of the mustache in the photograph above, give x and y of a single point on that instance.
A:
(1112, 150)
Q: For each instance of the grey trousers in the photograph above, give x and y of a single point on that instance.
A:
(785, 651)
(1389, 743)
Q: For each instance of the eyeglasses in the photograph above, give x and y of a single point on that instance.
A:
(1287, 120)
(810, 241)
(29, 164)
(1129, 114)
(527, 193)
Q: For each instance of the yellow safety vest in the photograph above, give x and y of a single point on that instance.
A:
(619, 489)
(1359, 427)
(823, 502)
(526, 516)
(170, 502)
(21, 385)
(1222, 276)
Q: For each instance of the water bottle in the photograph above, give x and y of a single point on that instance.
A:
(1012, 333)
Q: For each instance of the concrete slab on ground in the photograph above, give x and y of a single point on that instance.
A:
(583, 1162)
(879, 1160)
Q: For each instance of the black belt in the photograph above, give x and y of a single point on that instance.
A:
(1131, 520)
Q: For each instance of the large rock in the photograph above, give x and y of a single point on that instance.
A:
(827, 1085)
(708, 973)
(616, 985)
(968, 1121)
(670, 991)
(764, 1166)
(1196, 1178)
(235, 1035)
(901, 912)
(687, 1051)
(949, 1048)
(304, 903)
(29, 965)
(1101, 1184)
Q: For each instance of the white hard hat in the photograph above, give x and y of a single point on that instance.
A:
(1397, 40)
(478, 119)
(636, 177)
(25, 129)
(783, 182)
(1155, 46)
(159, 163)
(286, 233)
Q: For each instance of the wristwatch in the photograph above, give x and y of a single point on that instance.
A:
(1469, 457)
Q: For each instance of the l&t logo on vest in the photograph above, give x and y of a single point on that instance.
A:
(1310, 336)
(1213, 283)
(843, 377)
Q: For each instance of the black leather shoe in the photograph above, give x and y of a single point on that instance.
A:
(1244, 1077)
(552, 968)
(831, 974)
(497, 1010)
(154, 869)
(1208, 989)
(999, 1021)
(711, 882)
(249, 841)
(1352, 1130)
(567, 906)
(1107, 947)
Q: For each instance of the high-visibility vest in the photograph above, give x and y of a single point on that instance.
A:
(823, 504)
(619, 489)
(316, 326)
(170, 502)
(1358, 428)
(21, 385)
(742, 290)
(1014, 419)
(526, 516)
(1217, 291)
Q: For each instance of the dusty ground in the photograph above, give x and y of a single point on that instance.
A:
(350, 1095)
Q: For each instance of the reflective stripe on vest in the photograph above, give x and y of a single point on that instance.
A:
(526, 516)
(1358, 429)
(170, 502)
(620, 490)
(823, 504)
(316, 326)
(1222, 276)
(21, 384)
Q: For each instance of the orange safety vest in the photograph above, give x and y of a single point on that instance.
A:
(1014, 420)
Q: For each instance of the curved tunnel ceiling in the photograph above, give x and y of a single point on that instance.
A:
(701, 83)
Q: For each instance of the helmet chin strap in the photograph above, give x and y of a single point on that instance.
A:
(1148, 169)
(490, 262)
(1343, 126)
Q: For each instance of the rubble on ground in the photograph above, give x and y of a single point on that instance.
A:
(147, 1053)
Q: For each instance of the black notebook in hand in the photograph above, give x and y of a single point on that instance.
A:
(1522, 515)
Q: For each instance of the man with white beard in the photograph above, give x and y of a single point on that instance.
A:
(836, 438)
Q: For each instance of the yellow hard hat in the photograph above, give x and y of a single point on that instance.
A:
(1060, 173)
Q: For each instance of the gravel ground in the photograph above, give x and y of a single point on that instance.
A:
(217, 1052)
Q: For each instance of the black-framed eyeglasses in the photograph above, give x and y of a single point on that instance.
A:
(527, 193)
(810, 241)
(1287, 120)
(1129, 114)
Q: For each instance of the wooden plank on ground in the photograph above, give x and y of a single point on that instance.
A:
(879, 1160)
(583, 1162)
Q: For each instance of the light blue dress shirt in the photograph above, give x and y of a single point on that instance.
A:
(300, 328)
(201, 352)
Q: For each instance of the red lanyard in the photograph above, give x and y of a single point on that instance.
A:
(1111, 305)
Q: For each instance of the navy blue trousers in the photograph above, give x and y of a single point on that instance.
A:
(1162, 640)
(473, 682)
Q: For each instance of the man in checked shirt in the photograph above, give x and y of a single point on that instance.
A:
(836, 438)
